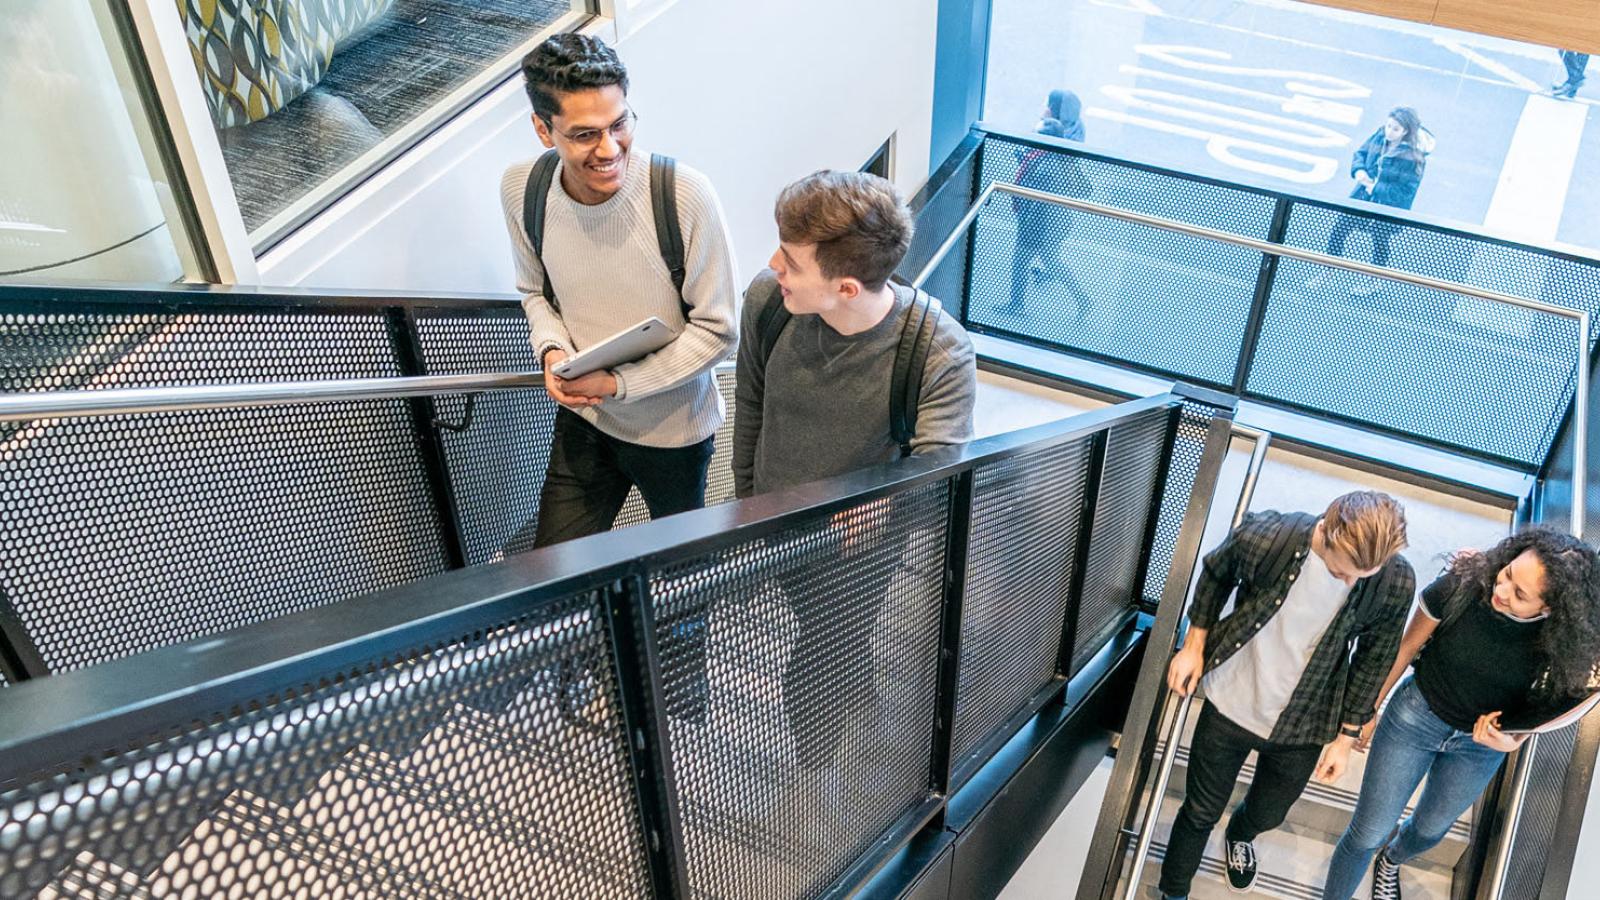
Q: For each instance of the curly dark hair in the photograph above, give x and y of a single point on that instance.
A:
(1570, 640)
(567, 63)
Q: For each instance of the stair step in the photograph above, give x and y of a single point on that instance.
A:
(1293, 866)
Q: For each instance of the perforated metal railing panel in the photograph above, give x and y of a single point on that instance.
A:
(1088, 283)
(799, 673)
(935, 221)
(1541, 811)
(449, 770)
(496, 466)
(1184, 465)
(1022, 551)
(132, 532)
(1122, 513)
(719, 477)
(1435, 364)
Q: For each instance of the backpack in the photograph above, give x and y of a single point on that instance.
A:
(663, 202)
(905, 386)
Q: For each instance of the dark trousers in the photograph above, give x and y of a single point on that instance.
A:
(1380, 231)
(585, 485)
(1215, 758)
(1575, 64)
(1042, 241)
(591, 472)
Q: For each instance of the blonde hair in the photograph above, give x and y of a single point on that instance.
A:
(1366, 526)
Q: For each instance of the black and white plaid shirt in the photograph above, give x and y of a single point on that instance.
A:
(1261, 558)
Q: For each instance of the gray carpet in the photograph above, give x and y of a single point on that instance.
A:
(418, 53)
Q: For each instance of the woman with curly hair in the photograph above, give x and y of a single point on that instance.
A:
(1509, 639)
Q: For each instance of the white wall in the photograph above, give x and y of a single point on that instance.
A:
(753, 94)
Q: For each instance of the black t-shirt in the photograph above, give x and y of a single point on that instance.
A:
(1479, 661)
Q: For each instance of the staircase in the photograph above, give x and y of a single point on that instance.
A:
(1293, 859)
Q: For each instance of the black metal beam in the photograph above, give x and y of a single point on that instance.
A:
(631, 624)
(1080, 564)
(19, 657)
(957, 542)
(1266, 275)
(1103, 867)
(409, 355)
(1158, 495)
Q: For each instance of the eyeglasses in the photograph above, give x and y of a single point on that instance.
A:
(590, 137)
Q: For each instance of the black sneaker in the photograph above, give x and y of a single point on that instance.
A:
(1241, 866)
(1385, 879)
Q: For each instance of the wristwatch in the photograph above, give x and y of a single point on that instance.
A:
(1350, 731)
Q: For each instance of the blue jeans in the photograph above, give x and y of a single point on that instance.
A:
(1411, 742)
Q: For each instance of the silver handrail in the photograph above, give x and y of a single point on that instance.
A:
(1580, 435)
(1168, 748)
(1501, 864)
(26, 407)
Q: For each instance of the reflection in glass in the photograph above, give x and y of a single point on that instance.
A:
(82, 195)
(300, 89)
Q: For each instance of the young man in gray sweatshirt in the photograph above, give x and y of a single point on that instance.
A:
(649, 423)
(818, 405)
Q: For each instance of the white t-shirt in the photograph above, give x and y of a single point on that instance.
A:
(1254, 686)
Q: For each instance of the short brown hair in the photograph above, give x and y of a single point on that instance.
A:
(1366, 526)
(859, 224)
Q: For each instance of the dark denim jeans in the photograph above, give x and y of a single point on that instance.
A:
(1411, 742)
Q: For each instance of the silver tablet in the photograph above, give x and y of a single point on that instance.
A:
(627, 345)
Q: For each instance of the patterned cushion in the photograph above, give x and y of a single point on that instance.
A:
(257, 56)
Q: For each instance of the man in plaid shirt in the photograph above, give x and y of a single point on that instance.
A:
(1292, 672)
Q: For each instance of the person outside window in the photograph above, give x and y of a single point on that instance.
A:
(1042, 228)
(1388, 170)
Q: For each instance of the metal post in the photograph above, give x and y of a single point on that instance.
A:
(1158, 494)
(430, 443)
(1103, 865)
(1265, 277)
(630, 624)
(1174, 732)
(1580, 431)
(19, 658)
(955, 585)
(1080, 566)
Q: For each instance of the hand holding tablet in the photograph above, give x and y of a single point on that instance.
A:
(632, 343)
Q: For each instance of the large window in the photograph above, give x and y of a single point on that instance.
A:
(1282, 94)
(309, 95)
(83, 192)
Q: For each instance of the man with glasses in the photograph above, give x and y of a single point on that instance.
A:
(585, 242)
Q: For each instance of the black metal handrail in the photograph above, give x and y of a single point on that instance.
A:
(91, 706)
(55, 725)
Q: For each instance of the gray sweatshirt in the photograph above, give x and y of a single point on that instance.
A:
(607, 271)
(819, 406)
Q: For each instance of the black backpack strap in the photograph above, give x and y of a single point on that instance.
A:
(910, 358)
(774, 317)
(534, 198)
(669, 232)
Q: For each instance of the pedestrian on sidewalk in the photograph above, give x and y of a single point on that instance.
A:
(1042, 228)
(1387, 169)
(1292, 673)
(1575, 64)
(1509, 640)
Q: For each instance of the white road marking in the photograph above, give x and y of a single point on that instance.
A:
(1528, 203)
(1223, 148)
(1238, 118)
(1206, 59)
(1311, 107)
(1512, 76)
